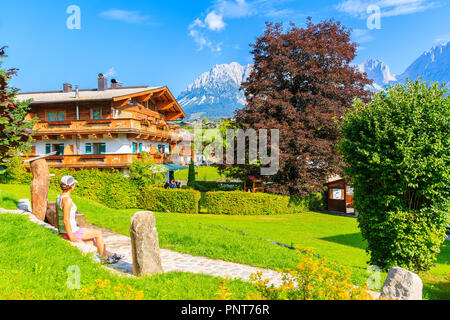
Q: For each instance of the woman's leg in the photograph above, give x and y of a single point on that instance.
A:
(96, 236)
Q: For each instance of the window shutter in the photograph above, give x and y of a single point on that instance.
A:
(48, 148)
(88, 148)
(140, 147)
(102, 148)
(61, 149)
(134, 147)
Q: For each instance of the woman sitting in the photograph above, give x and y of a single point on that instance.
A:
(67, 225)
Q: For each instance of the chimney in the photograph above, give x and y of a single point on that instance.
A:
(77, 92)
(67, 87)
(102, 82)
(115, 84)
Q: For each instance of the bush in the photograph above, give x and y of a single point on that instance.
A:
(396, 150)
(245, 203)
(173, 200)
(315, 201)
(15, 172)
(144, 171)
(313, 278)
(206, 186)
(108, 187)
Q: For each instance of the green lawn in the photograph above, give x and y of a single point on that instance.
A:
(35, 262)
(337, 238)
(204, 174)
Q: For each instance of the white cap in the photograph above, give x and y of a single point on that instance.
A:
(68, 181)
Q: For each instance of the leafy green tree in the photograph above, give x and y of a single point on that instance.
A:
(397, 152)
(16, 171)
(191, 174)
(145, 172)
(15, 131)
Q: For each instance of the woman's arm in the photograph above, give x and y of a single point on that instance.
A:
(67, 205)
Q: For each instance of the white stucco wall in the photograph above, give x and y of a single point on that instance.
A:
(121, 145)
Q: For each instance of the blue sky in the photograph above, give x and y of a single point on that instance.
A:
(147, 42)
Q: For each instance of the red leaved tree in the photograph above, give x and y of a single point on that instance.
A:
(301, 84)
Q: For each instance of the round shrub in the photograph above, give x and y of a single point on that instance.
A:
(397, 152)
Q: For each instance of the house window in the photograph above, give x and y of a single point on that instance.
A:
(59, 148)
(88, 148)
(96, 114)
(99, 148)
(56, 116)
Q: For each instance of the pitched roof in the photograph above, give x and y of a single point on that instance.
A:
(84, 95)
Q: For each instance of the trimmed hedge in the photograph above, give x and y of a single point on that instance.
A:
(173, 200)
(245, 203)
(108, 187)
(206, 186)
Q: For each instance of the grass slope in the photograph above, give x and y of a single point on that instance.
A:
(35, 261)
(337, 238)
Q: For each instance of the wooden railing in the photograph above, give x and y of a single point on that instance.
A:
(131, 126)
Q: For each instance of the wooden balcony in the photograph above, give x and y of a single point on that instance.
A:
(114, 161)
(112, 127)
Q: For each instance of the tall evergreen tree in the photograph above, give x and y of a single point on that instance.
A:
(191, 174)
(15, 131)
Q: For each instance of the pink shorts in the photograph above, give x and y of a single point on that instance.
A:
(78, 235)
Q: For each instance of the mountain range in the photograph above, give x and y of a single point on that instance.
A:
(217, 93)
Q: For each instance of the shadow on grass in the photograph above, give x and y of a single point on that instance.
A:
(8, 202)
(353, 240)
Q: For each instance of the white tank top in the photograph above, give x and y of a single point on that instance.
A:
(72, 220)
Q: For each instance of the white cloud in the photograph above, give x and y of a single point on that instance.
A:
(125, 16)
(389, 8)
(442, 38)
(110, 73)
(203, 42)
(361, 35)
(237, 9)
(214, 21)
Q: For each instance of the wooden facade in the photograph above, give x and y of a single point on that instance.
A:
(104, 129)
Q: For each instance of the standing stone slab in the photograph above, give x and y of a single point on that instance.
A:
(402, 284)
(145, 244)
